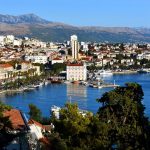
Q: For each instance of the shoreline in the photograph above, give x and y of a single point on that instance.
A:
(11, 91)
(125, 72)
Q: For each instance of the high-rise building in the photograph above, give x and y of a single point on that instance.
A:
(74, 47)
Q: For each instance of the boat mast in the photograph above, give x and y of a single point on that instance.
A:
(70, 99)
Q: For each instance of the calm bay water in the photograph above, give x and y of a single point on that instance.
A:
(59, 94)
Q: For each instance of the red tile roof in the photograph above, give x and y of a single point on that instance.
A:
(44, 140)
(25, 62)
(74, 64)
(5, 65)
(31, 121)
(15, 118)
(57, 58)
(87, 58)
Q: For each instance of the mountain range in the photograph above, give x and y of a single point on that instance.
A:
(32, 25)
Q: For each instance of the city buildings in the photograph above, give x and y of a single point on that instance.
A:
(107, 55)
(39, 58)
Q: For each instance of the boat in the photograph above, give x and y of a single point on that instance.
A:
(75, 82)
(28, 88)
(105, 72)
(93, 85)
(56, 81)
(67, 82)
(55, 111)
(37, 85)
(84, 83)
(99, 87)
(144, 70)
(41, 84)
(46, 82)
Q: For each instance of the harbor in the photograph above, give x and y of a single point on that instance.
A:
(85, 96)
(95, 80)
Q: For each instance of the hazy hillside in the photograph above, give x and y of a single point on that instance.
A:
(34, 26)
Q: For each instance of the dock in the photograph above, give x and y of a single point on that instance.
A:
(104, 85)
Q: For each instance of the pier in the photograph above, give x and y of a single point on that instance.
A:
(103, 85)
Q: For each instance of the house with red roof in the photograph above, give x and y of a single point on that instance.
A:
(36, 129)
(57, 60)
(6, 67)
(17, 118)
(5, 70)
(19, 127)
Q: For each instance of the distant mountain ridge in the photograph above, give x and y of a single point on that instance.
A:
(33, 26)
(27, 18)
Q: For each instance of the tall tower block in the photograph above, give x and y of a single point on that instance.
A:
(74, 47)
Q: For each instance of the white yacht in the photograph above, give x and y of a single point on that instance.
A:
(105, 72)
(144, 70)
(55, 111)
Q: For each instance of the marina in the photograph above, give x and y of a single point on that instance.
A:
(85, 96)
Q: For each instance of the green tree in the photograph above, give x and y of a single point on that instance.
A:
(144, 61)
(42, 66)
(58, 67)
(72, 126)
(35, 113)
(123, 115)
(55, 143)
(5, 126)
(119, 123)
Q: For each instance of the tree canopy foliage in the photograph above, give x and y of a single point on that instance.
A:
(58, 67)
(119, 123)
(5, 125)
(35, 113)
(123, 112)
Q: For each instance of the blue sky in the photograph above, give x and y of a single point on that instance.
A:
(129, 13)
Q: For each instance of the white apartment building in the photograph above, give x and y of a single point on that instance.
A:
(145, 55)
(9, 39)
(41, 59)
(140, 56)
(36, 129)
(2, 40)
(76, 72)
(17, 42)
(74, 47)
(5, 70)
